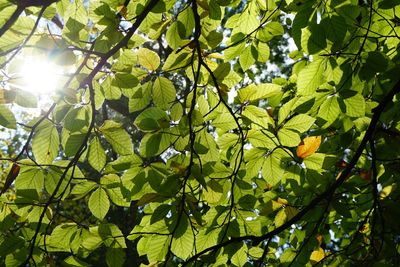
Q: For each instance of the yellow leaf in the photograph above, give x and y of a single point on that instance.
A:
(386, 191)
(317, 256)
(148, 59)
(282, 201)
(364, 229)
(308, 146)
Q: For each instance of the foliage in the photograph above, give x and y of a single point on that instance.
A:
(171, 142)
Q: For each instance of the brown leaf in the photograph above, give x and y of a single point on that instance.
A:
(366, 175)
(10, 177)
(308, 146)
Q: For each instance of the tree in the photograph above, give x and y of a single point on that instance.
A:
(170, 142)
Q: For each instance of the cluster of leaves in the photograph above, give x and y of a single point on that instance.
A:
(164, 147)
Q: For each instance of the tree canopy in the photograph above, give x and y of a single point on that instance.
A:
(200, 133)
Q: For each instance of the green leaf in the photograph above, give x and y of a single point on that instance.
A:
(272, 170)
(224, 122)
(183, 240)
(213, 192)
(246, 58)
(148, 59)
(186, 22)
(288, 137)
(152, 119)
(114, 188)
(301, 21)
(177, 60)
(214, 38)
(83, 188)
(311, 77)
(96, 156)
(45, 144)
(263, 52)
(262, 139)
(163, 93)
(154, 144)
(240, 257)
(10, 39)
(157, 247)
(73, 143)
(172, 36)
(122, 81)
(111, 235)
(117, 137)
(376, 62)
(256, 92)
(329, 110)
(61, 237)
(140, 97)
(99, 203)
(355, 106)
(7, 118)
(30, 178)
(335, 28)
(300, 123)
(270, 30)
(313, 39)
(64, 57)
(247, 22)
(111, 89)
(234, 51)
(76, 119)
(25, 99)
(115, 257)
(71, 261)
(258, 116)
(52, 179)
(317, 160)
(176, 112)
(11, 244)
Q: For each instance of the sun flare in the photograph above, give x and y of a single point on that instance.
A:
(37, 75)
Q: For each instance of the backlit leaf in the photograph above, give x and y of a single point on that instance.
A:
(308, 146)
(7, 118)
(311, 77)
(99, 203)
(163, 92)
(97, 155)
(117, 137)
(148, 59)
(45, 144)
(317, 255)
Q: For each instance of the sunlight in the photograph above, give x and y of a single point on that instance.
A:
(39, 76)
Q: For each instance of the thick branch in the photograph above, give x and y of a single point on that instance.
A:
(11, 20)
(38, 3)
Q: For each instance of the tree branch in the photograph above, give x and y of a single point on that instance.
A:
(325, 195)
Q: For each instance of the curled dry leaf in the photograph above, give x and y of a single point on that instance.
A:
(308, 146)
(10, 177)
